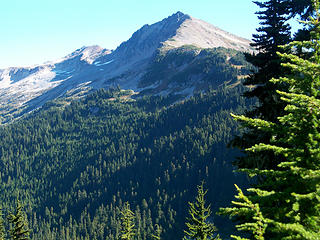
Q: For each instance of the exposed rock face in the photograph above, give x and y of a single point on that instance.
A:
(204, 35)
(25, 89)
(149, 38)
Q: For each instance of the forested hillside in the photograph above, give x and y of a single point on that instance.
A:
(189, 68)
(73, 166)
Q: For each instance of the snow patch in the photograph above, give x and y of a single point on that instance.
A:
(98, 63)
(6, 79)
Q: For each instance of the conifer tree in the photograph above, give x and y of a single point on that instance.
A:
(2, 230)
(273, 31)
(19, 229)
(255, 223)
(127, 223)
(289, 196)
(198, 226)
(303, 8)
(157, 235)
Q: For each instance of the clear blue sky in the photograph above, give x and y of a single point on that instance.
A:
(35, 31)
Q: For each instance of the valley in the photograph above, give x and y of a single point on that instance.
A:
(74, 166)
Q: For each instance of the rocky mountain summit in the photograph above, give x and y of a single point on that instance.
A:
(201, 34)
(24, 89)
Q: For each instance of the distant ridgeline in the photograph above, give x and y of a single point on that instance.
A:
(74, 164)
(181, 71)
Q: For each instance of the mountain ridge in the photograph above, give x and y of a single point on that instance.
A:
(25, 89)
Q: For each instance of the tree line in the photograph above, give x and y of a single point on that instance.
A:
(74, 166)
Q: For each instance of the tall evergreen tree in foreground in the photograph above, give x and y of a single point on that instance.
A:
(199, 227)
(289, 196)
(19, 230)
(127, 223)
(273, 31)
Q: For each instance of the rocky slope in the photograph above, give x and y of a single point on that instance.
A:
(25, 89)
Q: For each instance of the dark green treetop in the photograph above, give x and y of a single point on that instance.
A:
(2, 230)
(299, 7)
(199, 227)
(157, 235)
(19, 230)
(127, 223)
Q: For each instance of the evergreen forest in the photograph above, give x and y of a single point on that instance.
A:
(75, 166)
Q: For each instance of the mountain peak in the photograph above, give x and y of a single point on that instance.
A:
(148, 38)
(88, 53)
(179, 16)
(193, 31)
(175, 31)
